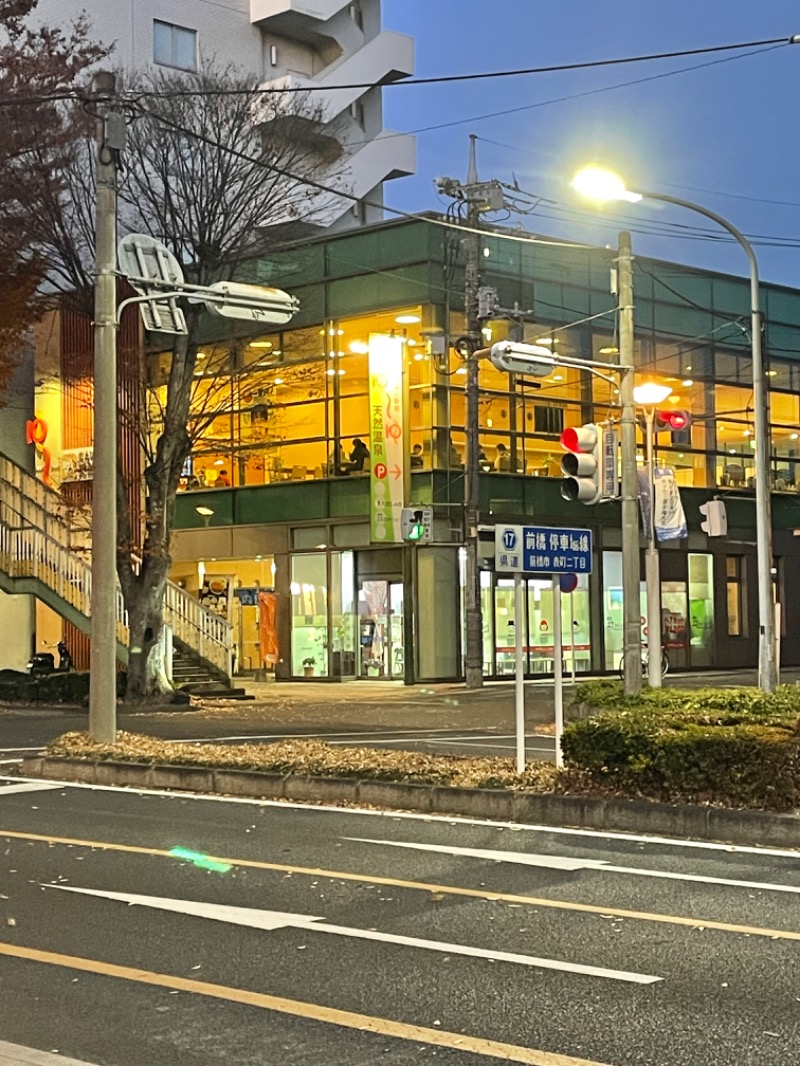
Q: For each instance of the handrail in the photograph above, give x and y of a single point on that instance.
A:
(38, 540)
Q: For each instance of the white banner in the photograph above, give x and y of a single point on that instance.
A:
(669, 517)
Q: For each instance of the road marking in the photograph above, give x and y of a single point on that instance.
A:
(15, 1055)
(443, 819)
(522, 858)
(551, 862)
(385, 1027)
(310, 736)
(422, 886)
(271, 920)
(27, 786)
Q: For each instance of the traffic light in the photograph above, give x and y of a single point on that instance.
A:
(416, 524)
(582, 466)
(716, 523)
(677, 422)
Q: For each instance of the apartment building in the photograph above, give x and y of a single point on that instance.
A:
(299, 44)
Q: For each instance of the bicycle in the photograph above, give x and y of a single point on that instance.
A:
(646, 665)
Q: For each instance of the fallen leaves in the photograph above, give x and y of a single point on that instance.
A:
(313, 758)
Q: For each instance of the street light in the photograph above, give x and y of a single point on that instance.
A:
(602, 185)
(648, 396)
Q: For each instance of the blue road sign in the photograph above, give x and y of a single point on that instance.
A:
(546, 550)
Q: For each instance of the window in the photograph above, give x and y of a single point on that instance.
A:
(174, 46)
(733, 584)
(548, 421)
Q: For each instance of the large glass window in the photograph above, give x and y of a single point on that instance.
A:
(613, 619)
(701, 609)
(309, 591)
(734, 595)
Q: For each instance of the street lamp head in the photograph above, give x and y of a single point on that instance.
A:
(650, 394)
(600, 184)
(204, 512)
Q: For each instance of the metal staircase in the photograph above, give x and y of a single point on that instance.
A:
(40, 556)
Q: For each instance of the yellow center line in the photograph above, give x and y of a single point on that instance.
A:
(385, 1027)
(423, 886)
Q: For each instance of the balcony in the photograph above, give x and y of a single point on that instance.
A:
(386, 58)
(319, 10)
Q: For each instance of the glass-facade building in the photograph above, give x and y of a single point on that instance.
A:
(276, 416)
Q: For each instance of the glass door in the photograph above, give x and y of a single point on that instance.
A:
(380, 628)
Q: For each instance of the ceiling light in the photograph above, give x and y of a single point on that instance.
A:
(219, 462)
(342, 373)
(407, 320)
(461, 370)
(687, 369)
(747, 433)
(558, 377)
(608, 351)
(687, 384)
(201, 355)
(793, 436)
(418, 357)
(260, 344)
(674, 399)
(278, 381)
(330, 372)
(772, 373)
(359, 347)
(546, 340)
(205, 512)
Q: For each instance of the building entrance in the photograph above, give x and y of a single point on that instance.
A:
(380, 630)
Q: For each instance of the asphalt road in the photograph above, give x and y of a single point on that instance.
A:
(348, 938)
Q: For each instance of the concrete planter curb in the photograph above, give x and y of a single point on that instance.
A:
(587, 812)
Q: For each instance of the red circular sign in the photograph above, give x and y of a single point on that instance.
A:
(380, 471)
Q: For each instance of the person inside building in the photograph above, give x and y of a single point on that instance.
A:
(337, 463)
(416, 457)
(502, 460)
(359, 455)
(223, 481)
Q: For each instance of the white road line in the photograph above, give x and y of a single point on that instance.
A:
(39, 748)
(440, 819)
(272, 920)
(28, 786)
(5, 762)
(15, 1055)
(523, 858)
(551, 862)
(300, 736)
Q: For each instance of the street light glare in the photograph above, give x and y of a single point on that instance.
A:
(650, 394)
(598, 183)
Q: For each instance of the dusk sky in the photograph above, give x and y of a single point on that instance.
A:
(724, 135)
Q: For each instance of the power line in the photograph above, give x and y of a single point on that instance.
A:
(484, 75)
(344, 194)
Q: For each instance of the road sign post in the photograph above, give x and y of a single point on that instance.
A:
(561, 554)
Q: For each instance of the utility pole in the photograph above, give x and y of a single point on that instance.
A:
(479, 197)
(103, 662)
(474, 615)
(631, 629)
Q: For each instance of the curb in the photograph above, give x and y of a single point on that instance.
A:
(718, 824)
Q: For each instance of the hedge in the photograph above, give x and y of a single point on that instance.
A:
(737, 746)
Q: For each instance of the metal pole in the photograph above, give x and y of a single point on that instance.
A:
(519, 671)
(558, 668)
(767, 660)
(651, 566)
(474, 619)
(103, 660)
(572, 669)
(631, 608)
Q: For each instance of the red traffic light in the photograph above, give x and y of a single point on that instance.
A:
(673, 420)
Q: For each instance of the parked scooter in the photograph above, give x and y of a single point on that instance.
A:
(43, 663)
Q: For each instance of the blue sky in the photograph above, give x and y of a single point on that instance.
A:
(723, 136)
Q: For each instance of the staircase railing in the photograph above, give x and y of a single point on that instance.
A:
(37, 540)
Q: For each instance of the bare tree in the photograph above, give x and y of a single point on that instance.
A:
(211, 164)
(40, 68)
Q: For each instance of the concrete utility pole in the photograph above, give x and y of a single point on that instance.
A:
(479, 197)
(474, 614)
(103, 662)
(631, 613)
